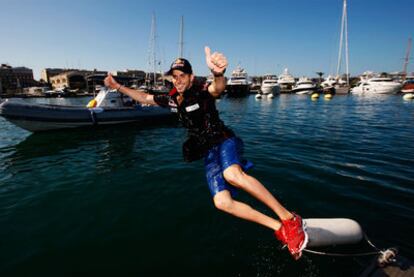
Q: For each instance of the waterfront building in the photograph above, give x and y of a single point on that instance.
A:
(71, 80)
(138, 74)
(47, 73)
(14, 79)
(95, 80)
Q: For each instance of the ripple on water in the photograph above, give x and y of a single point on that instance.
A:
(108, 192)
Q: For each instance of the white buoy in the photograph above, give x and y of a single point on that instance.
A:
(408, 96)
(258, 96)
(332, 231)
(271, 96)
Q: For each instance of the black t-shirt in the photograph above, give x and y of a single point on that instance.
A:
(198, 113)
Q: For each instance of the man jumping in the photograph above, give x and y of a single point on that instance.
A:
(221, 149)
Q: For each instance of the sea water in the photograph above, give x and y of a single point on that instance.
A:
(120, 200)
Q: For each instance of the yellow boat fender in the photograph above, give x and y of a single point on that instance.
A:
(315, 96)
(92, 104)
(328, 96)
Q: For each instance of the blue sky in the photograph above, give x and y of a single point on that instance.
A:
(261, 36)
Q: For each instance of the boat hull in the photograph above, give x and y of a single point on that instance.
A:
(270, 90)
(376, 90)
(408, 88)
(309, 90)
(286, 87)
(341, 90)
(305, 89)
(35, 117)
(237, 90)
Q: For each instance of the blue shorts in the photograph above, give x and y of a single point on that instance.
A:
(220, 157)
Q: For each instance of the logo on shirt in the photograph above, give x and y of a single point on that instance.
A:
(171, 103)
(192, 107)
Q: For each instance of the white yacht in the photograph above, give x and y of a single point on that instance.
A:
(340, 86)
(329, 82)
(304, 86)
(286, 81)
(270, 85)
(239, 84)
(382, 85)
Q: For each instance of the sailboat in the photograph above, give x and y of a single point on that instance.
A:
(408, 84)
(337, 84)
(152, 85)
(181, 39)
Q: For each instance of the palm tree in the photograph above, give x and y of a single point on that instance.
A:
(320, 74)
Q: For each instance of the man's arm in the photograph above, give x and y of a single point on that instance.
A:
(138, 95)
(217, 63)
(217, 86)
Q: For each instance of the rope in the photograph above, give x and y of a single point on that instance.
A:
(342, 254)
(378, 251)
(385, 256)
(93, 117)
(370, 243)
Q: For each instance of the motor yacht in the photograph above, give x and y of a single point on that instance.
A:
(286, 81)
(270, 85)
(239, 84)
(304, 86)
(377, 85)
(335, 84)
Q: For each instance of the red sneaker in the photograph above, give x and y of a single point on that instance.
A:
(281, 235)
(293, 235)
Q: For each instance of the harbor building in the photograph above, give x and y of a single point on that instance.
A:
(14, 79)
(129, 78)
(47, 73)
(138, 74)
(73, 79)
(70, 79)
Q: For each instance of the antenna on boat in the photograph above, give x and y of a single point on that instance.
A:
(344, 33)
(407, 58)
(181, 39)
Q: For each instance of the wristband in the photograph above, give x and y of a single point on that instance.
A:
(119, 87)
(215, 74)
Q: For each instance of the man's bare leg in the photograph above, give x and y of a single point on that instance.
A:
(238, 178)
(223, 201)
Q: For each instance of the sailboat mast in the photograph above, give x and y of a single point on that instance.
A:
(154, 69)
(346, 43)
(341, 39)
(407, 58)
(181, 39)
(151, 52)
